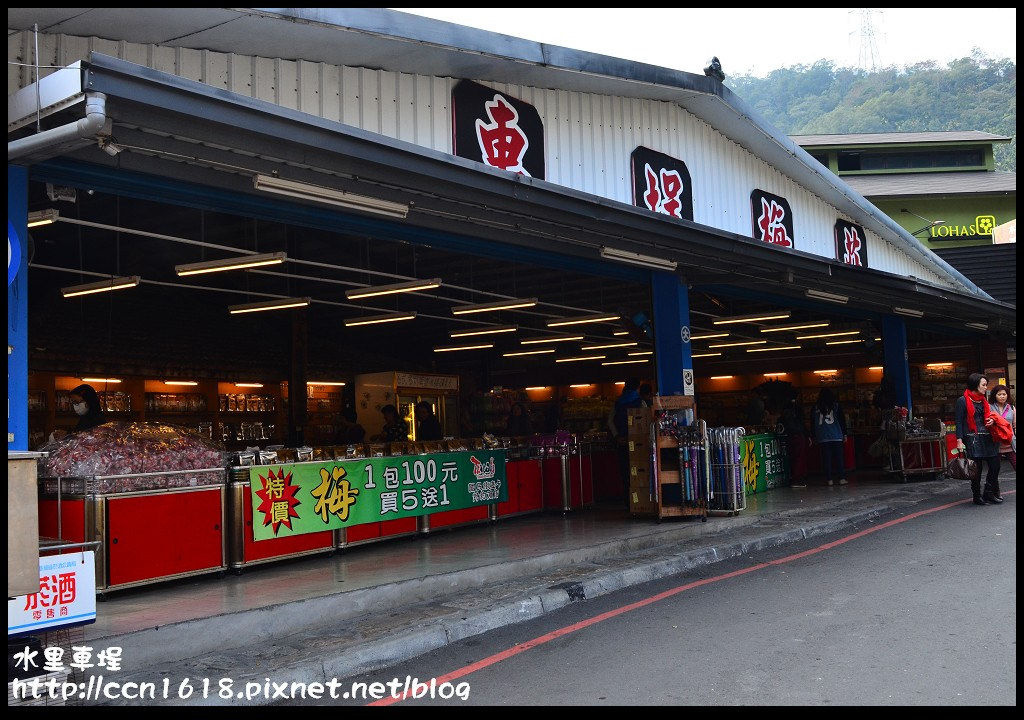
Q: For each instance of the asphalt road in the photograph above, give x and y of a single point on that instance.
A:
(915, 609)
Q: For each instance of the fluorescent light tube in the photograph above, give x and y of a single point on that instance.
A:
(510, 304)
(625, 362)
(976, 325)
(42, 217)
(120, 283)
(756, 317)
(709, 336)
(451, 348)
(237, 263)
(101, 380)
(375, 319)
(549, 338)
(825, 335)
(739, 344)
(521, 353)
(329, 196)
(375, 290)
(770, 349)
(822, 295)
(609, 345)
(252, 385)
(180, 382)
(333, 383)
(695, 355)
(801, 326)
(577, 359)
(909, 312)
(843, 342)
(281, 304)
(490, 330)
(632, 258)
(583, 319)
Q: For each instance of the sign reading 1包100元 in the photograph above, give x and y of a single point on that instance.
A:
(315, 496)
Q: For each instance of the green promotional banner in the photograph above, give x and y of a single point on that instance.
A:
(314, 496)
(764, 462)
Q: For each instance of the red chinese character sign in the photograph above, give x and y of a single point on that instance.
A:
(66, 596)
(773, 219)
(851, 245)
(661, 183)
(496, 129)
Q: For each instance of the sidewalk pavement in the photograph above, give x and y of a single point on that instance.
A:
(317, 618)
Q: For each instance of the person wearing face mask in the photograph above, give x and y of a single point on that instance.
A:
(86, 404)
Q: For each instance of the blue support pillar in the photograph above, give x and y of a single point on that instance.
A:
(17, 308)
(672, 349)
(896, 363)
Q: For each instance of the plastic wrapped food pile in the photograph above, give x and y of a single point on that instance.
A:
(123, 448)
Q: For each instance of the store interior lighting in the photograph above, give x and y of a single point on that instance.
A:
(549, 338)
(454, 348)
(249, 385)
(773, 349)
(625, 362)
(607, 346)
(756, 317)
(330, 196)
(510, 304)
(521, 353)
(697, 355)
(105, 381)
(584, 319)
(280, 304)
(42, 217)
(710, 336)
(189, 383)
(239, 263)
(331, 383)
(376, 290)
(580, 358)
(377, 319)
(798, 326)
(843, 342)
(739, 344)
(641, 352)
(829, 296)
(118, 283)
(632, 258)
(825, 335)
(489, 330)
(976, 325)
(909, 312)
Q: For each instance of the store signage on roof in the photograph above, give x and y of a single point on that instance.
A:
(496, 129)
(661, 183)
(772, 218)
(981, 229)
(302, 498)
(851, 245)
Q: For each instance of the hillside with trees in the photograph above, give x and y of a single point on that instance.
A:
(972, 93)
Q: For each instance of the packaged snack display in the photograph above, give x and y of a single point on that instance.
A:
(123, 448)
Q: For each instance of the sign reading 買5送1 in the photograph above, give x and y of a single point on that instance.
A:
(310, 497)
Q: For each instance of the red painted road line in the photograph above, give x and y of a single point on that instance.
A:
(561, 632)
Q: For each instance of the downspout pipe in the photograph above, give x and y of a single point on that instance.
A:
(88, 127)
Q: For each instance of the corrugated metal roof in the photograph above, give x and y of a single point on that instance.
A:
(946, 183)
(897, 138)
(993, 268)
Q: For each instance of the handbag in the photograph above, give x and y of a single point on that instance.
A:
(961, 467)
(980, 445)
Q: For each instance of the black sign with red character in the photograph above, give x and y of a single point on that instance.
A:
(851, 244)
(496, 129)
(661, 183)
(773, 219)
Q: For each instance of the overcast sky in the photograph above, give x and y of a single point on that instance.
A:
(750, 41)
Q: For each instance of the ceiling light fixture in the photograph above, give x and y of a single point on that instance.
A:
(376, 319)
(843, 342)
(584, 319)
(772, 349)
(102, 380)
(721, 377)
(42, 217)
(801, 326)
(641, 352)
(279, 304)
(976, 325)
(825, 335)
(776, 374)
(697, 355)
(329, 196)
(582, 357)
(238, 263)
(521, 353)
(822, 295)
(375, 290)
(909, 312)
(632, 258)
(252, 385)
(538, 387)
(510, 304)
(756, 317)
(609, 345)
(119, 283)
(549, 338)
(452, 348)
(492, 330)
(739, 344)
(709, 336)
(621, 332)
(332, 383)
(825, 372)
(180, 382)
(876, 367)
(939, 365)
(582, 385)
(625, 362)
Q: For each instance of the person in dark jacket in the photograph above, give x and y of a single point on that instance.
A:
(86, 404)
(428, 427)
(518, 423)
(395, 428)
(793, 426)
(978, 420)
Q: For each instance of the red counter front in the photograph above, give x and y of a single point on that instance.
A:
(524, 488)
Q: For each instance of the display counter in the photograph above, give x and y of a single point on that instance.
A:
(918, 454)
